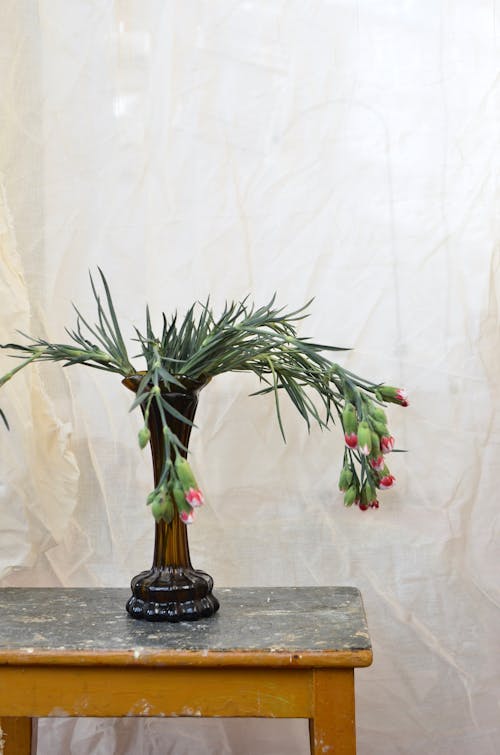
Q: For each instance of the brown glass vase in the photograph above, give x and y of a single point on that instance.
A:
(171, 590)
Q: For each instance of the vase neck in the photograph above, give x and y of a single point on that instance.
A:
(171, 542)
(183, 403)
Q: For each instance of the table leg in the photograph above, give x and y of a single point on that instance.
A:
(15, 736)
(332, 729)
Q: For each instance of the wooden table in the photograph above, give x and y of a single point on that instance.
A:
(269, 652)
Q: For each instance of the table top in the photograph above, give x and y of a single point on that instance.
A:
(311, 627)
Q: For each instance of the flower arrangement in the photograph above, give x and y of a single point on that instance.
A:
(242, 338)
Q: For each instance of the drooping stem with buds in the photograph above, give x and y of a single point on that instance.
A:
(243, 338)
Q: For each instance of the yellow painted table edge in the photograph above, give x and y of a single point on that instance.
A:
(210, 659)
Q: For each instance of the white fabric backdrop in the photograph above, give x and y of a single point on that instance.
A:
(332, 149)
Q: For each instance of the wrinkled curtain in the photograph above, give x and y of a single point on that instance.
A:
(339, 150)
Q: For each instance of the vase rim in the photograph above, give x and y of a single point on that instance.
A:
(190, 385)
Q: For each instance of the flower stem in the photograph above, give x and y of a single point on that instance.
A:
(8, 375)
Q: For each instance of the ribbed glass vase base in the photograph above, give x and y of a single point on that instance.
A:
(172, 594)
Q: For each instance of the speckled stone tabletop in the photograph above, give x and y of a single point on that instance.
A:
(307, 622)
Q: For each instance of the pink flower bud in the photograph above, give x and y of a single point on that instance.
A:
(395, 395)
(377, 463)
(402, 396)
(194, 498)
(351, 440)
(387, 444)
(187, 517)
(368, 495)
(374, 504)
(387, 482)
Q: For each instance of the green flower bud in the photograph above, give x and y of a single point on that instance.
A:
(349, 418)
(180, 498)
(368, 498)
(381, 429)
(163, 508)
(156, 508)
(144, 437)
(185, 474)
(370, 493)
(345, 478)
(351, 495)
(392, 394)
(364, 438)
(377, 413)
(375, 451)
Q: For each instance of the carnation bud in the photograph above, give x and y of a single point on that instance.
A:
(194, 498)
(402, 396)
(345, 478)
(180, 499)
(392, 394)
(377, 413)
(162, 507)
(351, 495)
(385, 479)
(144, 437)
(376, 459)
(349, 418)
(187, 517)
(386, 444)
(370, 492)
(364, 438)
(380, 428)
(351, 440)
(375, 450)
(368, 497)
(387, 482)
(376, 462)
(156, 508)
(185, 474)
